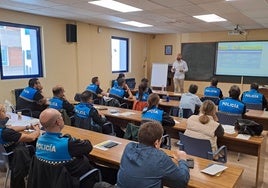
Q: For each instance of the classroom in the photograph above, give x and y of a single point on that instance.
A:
(73, 64)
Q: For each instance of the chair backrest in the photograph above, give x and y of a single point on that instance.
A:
(4, 162)
(86, 123)
(17, 93)
(228, 118)
(194, 146)
(254, 106)
(216, 100)
(131, 132)
(131, 83)
(43, 175)
(111, 102)
(174, 111)
(139, 105)
(66, 118)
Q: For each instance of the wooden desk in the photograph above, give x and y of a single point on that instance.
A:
(264, 91)
(229, 178)
(259, 116)
(170, 93)
(254, 146)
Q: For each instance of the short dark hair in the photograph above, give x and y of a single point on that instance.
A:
(193, 88)
(144, 80)
(86, 96)
(254, 86)
(234, 92)
(120, 81)
(94, 79)
(214, 81)
(121, 75)
(56, 90)
(32, 82)
(150, 132)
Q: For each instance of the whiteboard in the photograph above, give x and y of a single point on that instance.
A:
(159, 75)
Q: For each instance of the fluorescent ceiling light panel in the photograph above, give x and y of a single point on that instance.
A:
(114, 5)
(136, 24)
(210, 18)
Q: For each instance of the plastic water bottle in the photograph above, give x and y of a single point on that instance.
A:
(163, 88)
(180, 112)
(167, 98)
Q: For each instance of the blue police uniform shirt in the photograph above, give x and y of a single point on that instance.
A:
(28, 94)
(252, 96)
(144, 97)
(117, 91)
(82, 110)
(53, 147)
(92, 88)
(212, 91)
(56, 103)
(153, 114)
(232, 106)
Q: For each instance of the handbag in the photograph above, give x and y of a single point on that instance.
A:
(245, 126)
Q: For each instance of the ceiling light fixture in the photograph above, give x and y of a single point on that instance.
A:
(114, 5)
(210, 18)
(136, 24)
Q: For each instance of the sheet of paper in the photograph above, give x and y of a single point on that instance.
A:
(176, 121)
(229, 129)
(21, 122)
(126, 113)
(101, 147)
(214, 169)
(243, 136)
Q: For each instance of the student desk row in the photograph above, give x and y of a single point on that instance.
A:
(112, 157)
(254, 146)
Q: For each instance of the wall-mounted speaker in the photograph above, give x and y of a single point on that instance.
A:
(71, 33)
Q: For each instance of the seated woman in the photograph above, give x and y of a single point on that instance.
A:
(141, 98)
(153, 113)
(205, 125)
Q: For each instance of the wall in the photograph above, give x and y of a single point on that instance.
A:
(157, 43)
(73, 64)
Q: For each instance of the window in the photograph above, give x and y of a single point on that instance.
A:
(20, 51)
(120, 55)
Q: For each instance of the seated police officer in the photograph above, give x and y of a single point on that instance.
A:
(87, 117)
(31, 97)
(94, 87)
(53, 147)
(121, 91)
(232, 104)
(153, 113)
(253, 96)
(213, 90)
(59, 101)
(12, 137)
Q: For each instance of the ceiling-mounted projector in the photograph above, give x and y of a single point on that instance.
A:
(237, 31)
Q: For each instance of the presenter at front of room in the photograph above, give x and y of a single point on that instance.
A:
(179, 67)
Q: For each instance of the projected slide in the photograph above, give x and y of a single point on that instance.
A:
(242, 58)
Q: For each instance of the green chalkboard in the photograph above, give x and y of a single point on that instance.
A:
(200, 58)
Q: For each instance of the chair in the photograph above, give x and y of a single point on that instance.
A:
(110, 101)
(174, 111)
(65, 117)
(4, 162)
(216, 100)
(139, 105)
(89, 124)
(43, 174)
(17, 93)
(228, 118)
(132, 130)
(254, 106)
(201, 148)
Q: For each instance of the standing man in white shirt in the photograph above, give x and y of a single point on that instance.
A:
(179, 67)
